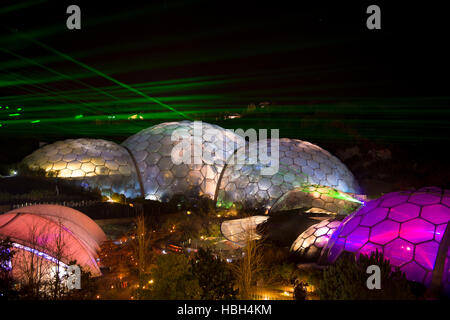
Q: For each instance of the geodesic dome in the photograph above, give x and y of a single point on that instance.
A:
(93, 163)
(242, 230)
(49, 231)
(300, 164)
(408, 227)
(317, 199)
(310, 243)
(162, 177)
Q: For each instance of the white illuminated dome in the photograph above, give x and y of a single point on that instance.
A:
(162, 178)
(98, 163)
(300, 164)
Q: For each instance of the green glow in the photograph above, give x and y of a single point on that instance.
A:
(35, 121)
(331, 192)
(20, 6)
(79, 116)
(224, 204)
(101, 74)
(338, 195)
(14, 114)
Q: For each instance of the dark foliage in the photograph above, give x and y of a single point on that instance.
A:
(214, 276)
(346, 280)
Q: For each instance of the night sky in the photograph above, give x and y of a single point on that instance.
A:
(329, 79)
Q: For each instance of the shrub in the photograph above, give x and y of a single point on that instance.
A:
(214, 276)
(346, 280)
(173, 279)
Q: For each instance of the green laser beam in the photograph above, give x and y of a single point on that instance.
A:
(101, 74)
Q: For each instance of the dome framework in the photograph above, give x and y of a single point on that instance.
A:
(54, 233)
(411, 229)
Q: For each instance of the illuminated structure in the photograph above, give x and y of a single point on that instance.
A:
(310, 243)
(94, 163)
(410, 228)
(215, 166)
(317, 199)
(162, 178)
(55, 234)
(242, 230)
(300, 164)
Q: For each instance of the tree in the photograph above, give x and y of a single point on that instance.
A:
(57, 285)
(6, 281)
(214, 276)
(173, 279)
(144, 243)
(33, 270)
(346, 280)
(247, 269)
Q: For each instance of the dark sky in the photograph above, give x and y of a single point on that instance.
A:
(319, 59)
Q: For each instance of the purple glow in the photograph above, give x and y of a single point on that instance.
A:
(384, 232)
(417, 230)
(404, 212)
(425, 254)
(39, 254)
(374, 217)
(406, 226)
(436, 214)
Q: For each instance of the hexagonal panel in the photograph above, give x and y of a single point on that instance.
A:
(404, 212)
(374, 216)
(424, 198)
(384, 232)
(436, 213)
(399, 252)
(357, 239)
(417, 230)
(426, 253)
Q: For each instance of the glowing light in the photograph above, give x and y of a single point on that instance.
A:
(135, 116)
(39, 254)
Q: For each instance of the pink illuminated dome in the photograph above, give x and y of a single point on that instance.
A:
(55, 234)
(409, 227)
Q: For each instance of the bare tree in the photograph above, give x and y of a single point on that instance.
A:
(30, 266)
(247, 268)
(57, 251)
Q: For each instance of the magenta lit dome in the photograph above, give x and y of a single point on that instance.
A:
(409, 227)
